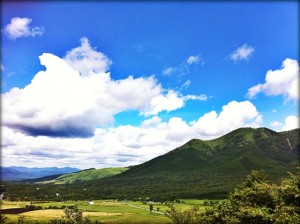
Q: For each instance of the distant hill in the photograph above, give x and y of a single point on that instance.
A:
(207, 168)
(80, 176)
(21, 173)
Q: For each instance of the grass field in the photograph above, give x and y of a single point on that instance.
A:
(106, 211)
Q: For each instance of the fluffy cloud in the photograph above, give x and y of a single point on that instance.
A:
(87, 60)
(284, 81)
(171, 101)
(20, 27)
(233, 115)
(242, 53)
(75, 95)
(124, 145)
(291, 122)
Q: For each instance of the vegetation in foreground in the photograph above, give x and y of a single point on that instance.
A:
(256, 201)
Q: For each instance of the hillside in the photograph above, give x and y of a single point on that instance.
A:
(84, 175)
(197, 169)
(208, 168)
(242, 149)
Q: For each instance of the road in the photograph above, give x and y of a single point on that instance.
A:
(135, 206)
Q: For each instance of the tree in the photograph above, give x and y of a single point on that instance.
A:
(189, 216)
(73, 213)
(150, 207)
(259, 202)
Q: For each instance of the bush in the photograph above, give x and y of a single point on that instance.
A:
(3, 219)
(33, 207)
(190, 216)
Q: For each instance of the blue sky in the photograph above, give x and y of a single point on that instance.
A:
(133, 80)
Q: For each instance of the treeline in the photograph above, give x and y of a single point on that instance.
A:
(163, 186)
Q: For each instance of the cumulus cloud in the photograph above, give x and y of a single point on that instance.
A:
(125, 145)
(284, 81)
(87, 60)
(242, 53)
(76, 94)
(233, 115)
(291, 122)
(20, 27)
(171, 101)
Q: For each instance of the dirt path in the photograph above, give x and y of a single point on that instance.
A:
(135, 206)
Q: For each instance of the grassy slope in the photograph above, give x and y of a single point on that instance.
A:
(85, 175)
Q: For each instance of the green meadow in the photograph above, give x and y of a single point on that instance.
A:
(105, 211)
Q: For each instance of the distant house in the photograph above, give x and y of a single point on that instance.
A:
(91, 203)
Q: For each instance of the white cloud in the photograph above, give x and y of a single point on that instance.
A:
(124, 145)
(155, 120)
(275, 124)
(186, 84)
(242, 53)
(87, 60)
(169, 70)
(193, 59)
(76, 94)
(20, 27)
(284, 81)
(291, 122)
(233, 115)
(201, 97)
(184, 67)
(171, 101)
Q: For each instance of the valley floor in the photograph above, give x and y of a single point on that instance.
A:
(106, 211)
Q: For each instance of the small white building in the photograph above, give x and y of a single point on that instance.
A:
(91, 203)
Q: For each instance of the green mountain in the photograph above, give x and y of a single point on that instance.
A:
(83, 175)
(207, 168)
(197, 169)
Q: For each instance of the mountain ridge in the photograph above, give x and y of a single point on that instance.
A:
(209, 167)
(198, 168)
(20, 172)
